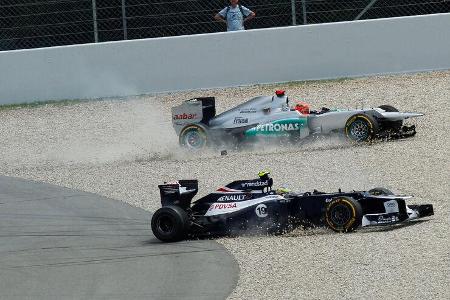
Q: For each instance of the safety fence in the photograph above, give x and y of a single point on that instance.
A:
(43, 23)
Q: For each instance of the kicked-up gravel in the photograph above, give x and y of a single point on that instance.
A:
(123, 148)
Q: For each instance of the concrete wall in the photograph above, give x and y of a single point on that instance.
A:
(334, 50)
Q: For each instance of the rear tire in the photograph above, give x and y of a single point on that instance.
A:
(170, 224)
(193, 137)
(343, 214)
(380, 191)
(361, 128)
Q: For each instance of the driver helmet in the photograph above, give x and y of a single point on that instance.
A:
(264, 174)
(282, 191)
(302, 107)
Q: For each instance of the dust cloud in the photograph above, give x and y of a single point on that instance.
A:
(99, 132)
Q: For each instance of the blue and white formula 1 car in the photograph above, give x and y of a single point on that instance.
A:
(252, 205)
(197, 125)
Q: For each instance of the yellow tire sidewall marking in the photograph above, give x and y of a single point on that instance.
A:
(200, 130)
(342, 200)
(352, 119)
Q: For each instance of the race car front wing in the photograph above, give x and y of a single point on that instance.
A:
(389, 218)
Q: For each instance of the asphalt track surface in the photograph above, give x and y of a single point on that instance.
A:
(58, 243)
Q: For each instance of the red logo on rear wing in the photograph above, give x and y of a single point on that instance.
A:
(184, 116)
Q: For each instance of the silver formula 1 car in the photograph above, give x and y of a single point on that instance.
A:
(197, 125)
(244, 206)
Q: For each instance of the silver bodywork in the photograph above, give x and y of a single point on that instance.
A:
(268, 109)
(333, 120)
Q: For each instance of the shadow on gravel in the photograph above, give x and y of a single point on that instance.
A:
(309, 145)
(315, 231)
(184, 243)
(392, 227)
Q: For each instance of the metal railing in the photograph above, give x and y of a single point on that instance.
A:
(43, 23)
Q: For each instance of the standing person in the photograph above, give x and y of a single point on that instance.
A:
(235, 16)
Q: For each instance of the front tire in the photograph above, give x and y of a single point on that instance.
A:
(361, 128)
(193, 137)
(392, 125)
(170, 224)
(388, 108)
(343, 214)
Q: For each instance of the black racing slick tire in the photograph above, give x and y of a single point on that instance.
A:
(193, 137)
(170, 224)
(393, 125)
(388, 108)
(380, 191)
(361, 128)
(343, 214)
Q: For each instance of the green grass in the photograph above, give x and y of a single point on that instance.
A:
(307, 82)
(68, 102)
(41, 103)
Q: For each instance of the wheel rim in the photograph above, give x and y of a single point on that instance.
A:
(165, 224)
(359, 130)
(340, 215)
(194, 139)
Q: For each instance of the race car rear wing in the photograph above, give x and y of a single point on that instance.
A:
(196, 110)
(179, 193)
